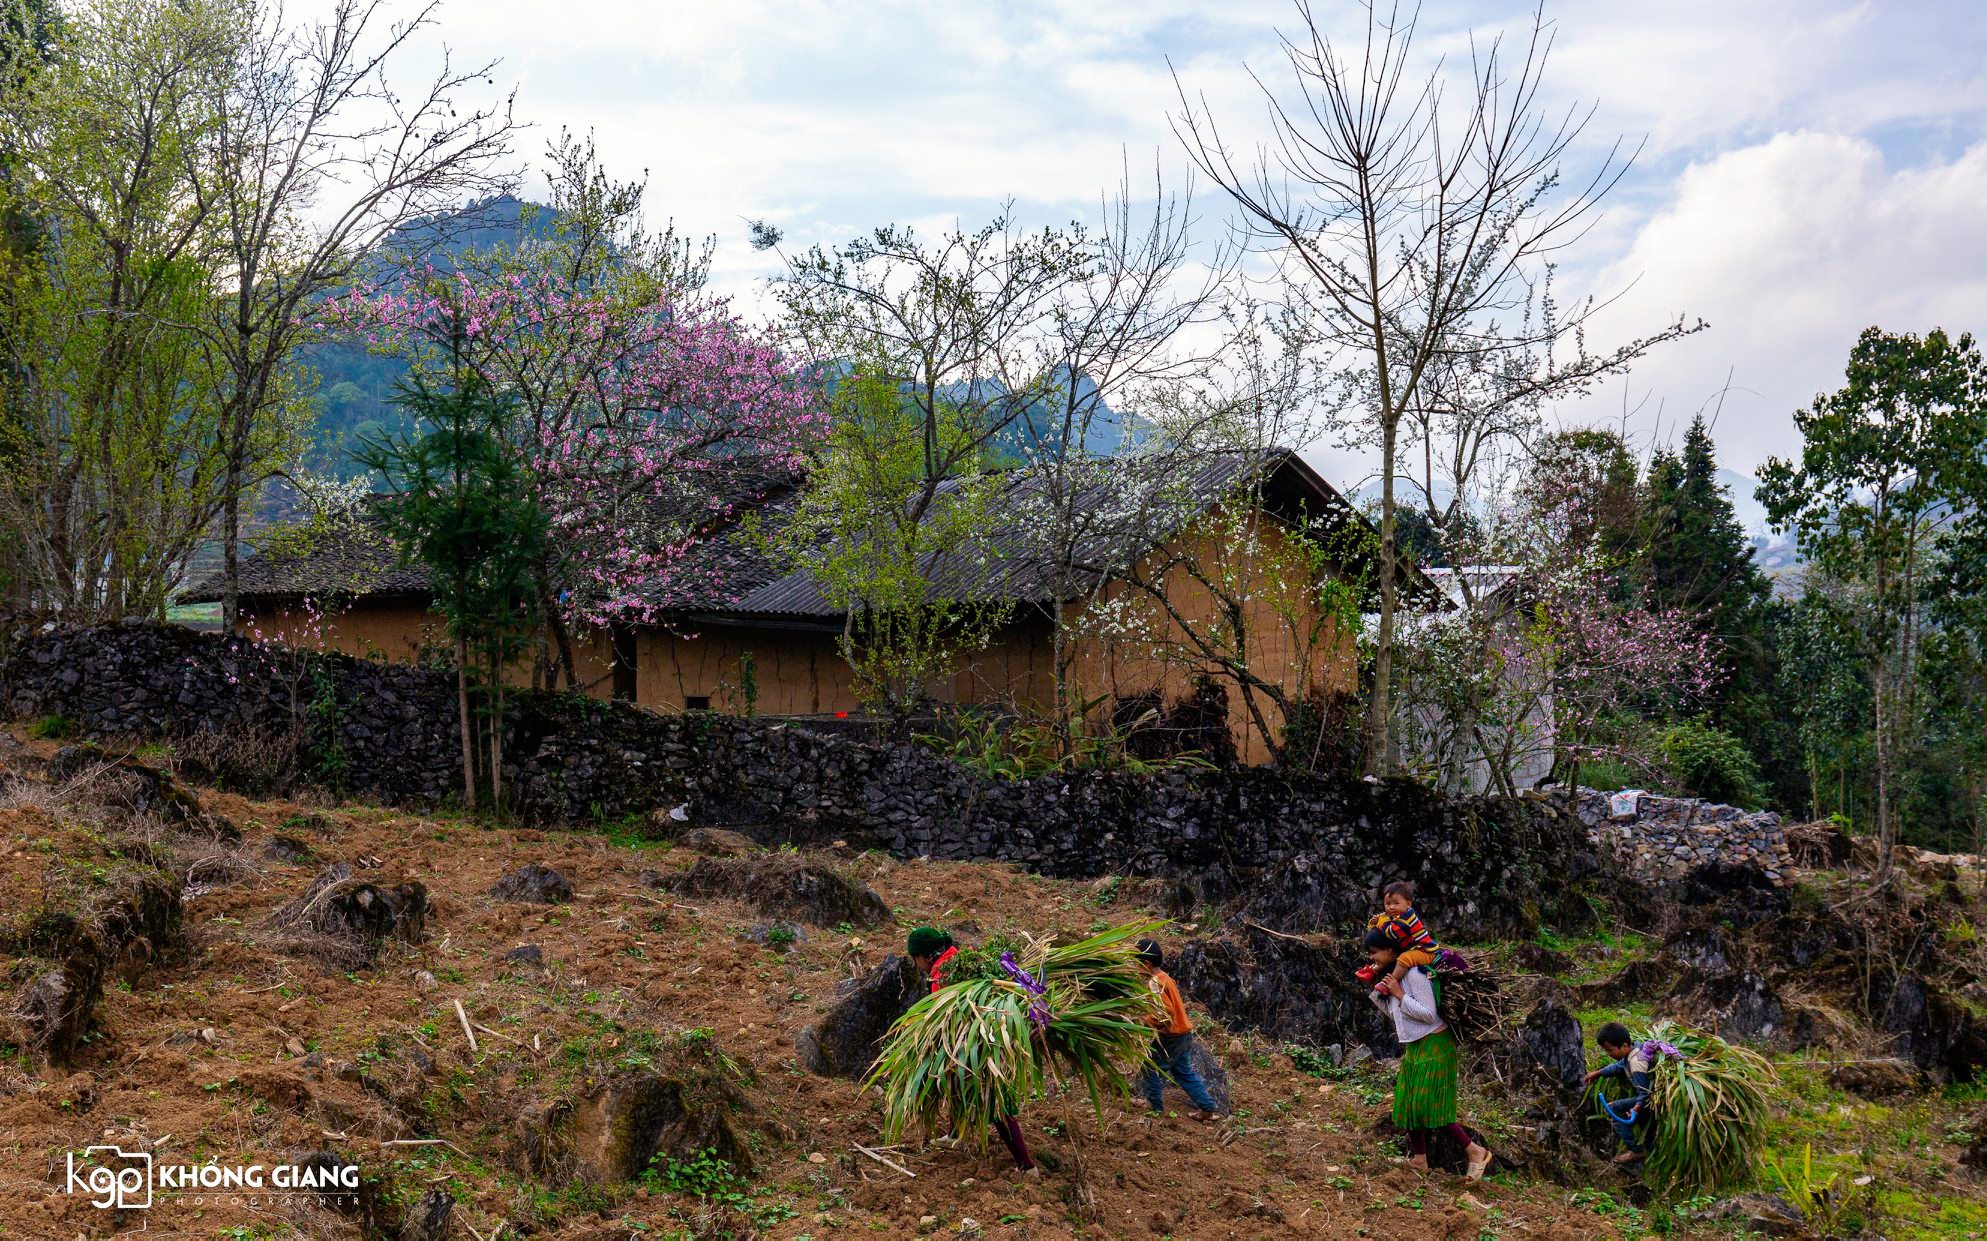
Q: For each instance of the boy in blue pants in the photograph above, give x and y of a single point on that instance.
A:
(1632, 1062)
(1174, 1050)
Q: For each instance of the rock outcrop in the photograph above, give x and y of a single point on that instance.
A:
(533, 884)
(784, 886)
(345, 921)
(845, 1041)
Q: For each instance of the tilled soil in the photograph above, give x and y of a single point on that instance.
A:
(245, 1043)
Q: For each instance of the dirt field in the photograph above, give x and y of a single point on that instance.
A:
(244, 1046)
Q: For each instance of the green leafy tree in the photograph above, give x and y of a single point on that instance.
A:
(1888, 463)
(1825, 689)
(110, 482)
(882, 540)
(1712, 764)
(1955, 667)
(460, 505)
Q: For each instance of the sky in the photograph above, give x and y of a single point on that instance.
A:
(1806, 168)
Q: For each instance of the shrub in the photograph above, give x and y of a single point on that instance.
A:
(254, 764)
(1710, 763)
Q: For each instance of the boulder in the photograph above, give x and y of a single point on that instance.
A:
(783, 885)
(1874, 1079)
(345, 920)
(1704, 950)
(692, 1100)
(114, 930)
(526, 956)
(844, 1042)
(138, 787)
(1744, 1006)
(1539, 959)
(430, 1219)
(717, 842)
(533, 884)
(1215, 1075)
(289, 851)
(1932, 1030)
(779, 936)
(1740, 895)
(1549, 1051)
(1299, 990)
(1637, 982)
(1975, 1154)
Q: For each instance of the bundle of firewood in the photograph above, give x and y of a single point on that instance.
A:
(1475, 1002)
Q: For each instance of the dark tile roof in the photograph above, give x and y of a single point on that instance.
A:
(358, 559)
(1111, 519)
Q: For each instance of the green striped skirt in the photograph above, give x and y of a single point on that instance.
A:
(1425, 1088)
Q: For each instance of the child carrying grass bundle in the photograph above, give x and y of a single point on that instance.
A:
(1696, 1115)
(987, 1039)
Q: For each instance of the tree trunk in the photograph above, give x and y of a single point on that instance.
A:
(1379, 704)
(496, 736)
(562, 640)
(468, 733)
(231, 552)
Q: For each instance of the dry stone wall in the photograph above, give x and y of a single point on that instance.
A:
(1664, 839)
(1296, 854)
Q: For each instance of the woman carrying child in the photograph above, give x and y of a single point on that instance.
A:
(1425, 1088)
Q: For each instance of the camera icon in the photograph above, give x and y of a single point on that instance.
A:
(119, 1180)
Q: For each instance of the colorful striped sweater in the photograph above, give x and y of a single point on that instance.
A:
(1407, 930)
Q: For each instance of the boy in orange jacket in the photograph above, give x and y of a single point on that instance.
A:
(1174, 1049)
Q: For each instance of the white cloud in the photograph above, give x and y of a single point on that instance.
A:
(1789, 248)
(1808, 167)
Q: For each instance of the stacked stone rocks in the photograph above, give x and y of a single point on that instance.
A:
(1666, 838)
(1297, 852)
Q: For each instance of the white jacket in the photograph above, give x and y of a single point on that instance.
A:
(1414, 1015)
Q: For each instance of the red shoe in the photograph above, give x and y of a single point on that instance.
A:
(1366, 973)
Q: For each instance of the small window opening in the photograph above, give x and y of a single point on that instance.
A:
(697, 702)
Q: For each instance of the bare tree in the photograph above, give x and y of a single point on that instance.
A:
(1195, 569)
(1409, 225)
(957, 329)
(322, 160)
(1121, 339)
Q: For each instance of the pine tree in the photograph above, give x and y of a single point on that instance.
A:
(1699, 559)
(460, 505)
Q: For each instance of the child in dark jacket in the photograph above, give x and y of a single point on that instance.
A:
(1173, 1048)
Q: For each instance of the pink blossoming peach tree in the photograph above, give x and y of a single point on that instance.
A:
(642, 411)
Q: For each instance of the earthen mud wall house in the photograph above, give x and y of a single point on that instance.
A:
(350, 594)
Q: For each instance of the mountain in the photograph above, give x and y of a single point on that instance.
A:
(1036, 432)
(1776, 554)
(354, 386)
(1751, 513)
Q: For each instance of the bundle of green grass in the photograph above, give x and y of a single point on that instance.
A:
(1011, 1016)
(1708, 1109)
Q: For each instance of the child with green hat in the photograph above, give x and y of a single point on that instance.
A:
(929, 949)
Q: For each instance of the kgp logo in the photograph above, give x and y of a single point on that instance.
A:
(120, 1179)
